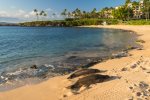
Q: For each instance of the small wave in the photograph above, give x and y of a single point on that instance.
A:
(40, 72)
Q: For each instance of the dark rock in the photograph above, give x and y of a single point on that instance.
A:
(83, 72)
(90, 64)
(140, 41)
(148, 90)
(63, 70)
(33, 67)
(143, 68)
(72, 57)
(140, 49)
(133, 66)
(89, 80)
(124, 69)
(143, 85)
(148, 72)
(138, 94)
(131, 47)
(64, 96)
(131, 88)
(120, 54)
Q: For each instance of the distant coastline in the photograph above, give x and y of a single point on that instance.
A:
(71, 22)
(8, 24)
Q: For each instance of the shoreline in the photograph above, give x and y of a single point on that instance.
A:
(46, 89)
(14, 78)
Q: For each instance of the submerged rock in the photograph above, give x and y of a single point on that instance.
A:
(83, 72)
(33, 67)
(89, 80)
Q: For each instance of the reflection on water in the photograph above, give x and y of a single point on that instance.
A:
(23, 46)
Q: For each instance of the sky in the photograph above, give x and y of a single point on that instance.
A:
(22, 10)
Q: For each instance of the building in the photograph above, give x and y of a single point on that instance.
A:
(137, 10)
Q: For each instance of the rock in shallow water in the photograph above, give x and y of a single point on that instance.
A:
(120, 54)
(33, 67)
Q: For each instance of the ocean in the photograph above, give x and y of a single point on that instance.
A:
(22, 47)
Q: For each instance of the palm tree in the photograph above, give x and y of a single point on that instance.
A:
(147, 9)
(77, 13)
(94, 13)
(127, 6)
(43, 13)
(37, 13)
(64, 13)
(69, 14)
(54, 14)
(84, 14)
(127, 2)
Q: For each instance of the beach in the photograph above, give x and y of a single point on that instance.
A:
(133, 74)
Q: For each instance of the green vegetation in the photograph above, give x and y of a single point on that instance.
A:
(70, 22)
(41, 13)
(137, 22)
(131, 13)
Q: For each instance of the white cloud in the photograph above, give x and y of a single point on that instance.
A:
(20, 14)
(4, 14)
(29, 15)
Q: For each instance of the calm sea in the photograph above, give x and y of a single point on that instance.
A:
(23, 46)
(53, 50)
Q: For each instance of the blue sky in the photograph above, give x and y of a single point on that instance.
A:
(21, 10)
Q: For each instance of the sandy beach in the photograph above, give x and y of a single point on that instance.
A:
(132, 84)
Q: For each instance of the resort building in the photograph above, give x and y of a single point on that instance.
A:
(137, 10)
(108, 13)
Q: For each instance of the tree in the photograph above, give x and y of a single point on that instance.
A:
(147, 9)
(129, 13)
(127, 2)
(135, 4)
(128, 7)
(64, 13)
(78, 13)
(84, 14)
(54, 14)
(106, 12)
(43, 13)
(94, 13)
(37, 13)
(120, 13)
(69, 14)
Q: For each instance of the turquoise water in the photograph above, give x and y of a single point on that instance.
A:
(55, 51)
(21, 46)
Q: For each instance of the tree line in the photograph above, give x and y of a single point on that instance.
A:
(124, 12)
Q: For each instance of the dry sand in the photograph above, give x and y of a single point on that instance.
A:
(133, 84)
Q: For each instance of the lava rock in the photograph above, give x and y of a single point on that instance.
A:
(120, 54)
(33, 67)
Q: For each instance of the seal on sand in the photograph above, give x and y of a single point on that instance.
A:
(89, 80)
(83, 72)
